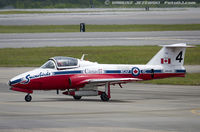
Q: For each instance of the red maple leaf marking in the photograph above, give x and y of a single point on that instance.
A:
(135, 71)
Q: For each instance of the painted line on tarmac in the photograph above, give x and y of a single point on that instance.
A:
(196, 111)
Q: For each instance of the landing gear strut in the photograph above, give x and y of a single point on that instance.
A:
(105, 96)
(28, 98)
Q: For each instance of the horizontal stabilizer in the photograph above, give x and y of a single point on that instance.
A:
(179, 45)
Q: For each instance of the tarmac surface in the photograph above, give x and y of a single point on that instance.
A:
(106, 16)
(135, 107)
(19, 40)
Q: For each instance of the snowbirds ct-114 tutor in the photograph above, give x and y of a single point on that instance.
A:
(78, 77)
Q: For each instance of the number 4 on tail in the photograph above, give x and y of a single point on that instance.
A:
(179, 56)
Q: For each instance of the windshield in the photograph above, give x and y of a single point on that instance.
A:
(49, 64)
(66, 61)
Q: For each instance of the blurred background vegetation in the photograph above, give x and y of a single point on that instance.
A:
(25, 4)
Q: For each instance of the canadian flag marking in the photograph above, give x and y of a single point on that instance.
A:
(165, 60)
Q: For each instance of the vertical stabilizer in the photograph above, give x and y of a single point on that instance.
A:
(170, 56)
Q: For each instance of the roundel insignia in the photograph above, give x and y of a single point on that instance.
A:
(135, 71)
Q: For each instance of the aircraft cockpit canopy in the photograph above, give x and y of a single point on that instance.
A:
(64, 62)
(61, 63)
(48, 65)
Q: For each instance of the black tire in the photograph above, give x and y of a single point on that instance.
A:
(104, 97)
(77, 97)
(28, 98)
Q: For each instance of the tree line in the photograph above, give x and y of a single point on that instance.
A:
(63, 3)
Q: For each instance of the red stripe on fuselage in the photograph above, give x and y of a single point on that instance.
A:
(76, 80)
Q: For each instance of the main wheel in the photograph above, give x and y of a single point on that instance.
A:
(28, 98)
(104, 97)
(77, 97)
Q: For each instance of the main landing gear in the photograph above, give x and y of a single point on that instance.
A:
(104, 97)
(28, 98)
(77, 94)
(77, 97)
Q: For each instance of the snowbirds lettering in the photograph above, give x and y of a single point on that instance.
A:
(78, 77)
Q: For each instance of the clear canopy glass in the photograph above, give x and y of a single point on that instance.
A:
(61, 63)
(65, 61)
(49, 64)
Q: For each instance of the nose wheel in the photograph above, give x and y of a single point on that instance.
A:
(28, 98)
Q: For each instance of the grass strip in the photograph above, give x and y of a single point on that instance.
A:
(43, 12)
(189, 79)
(12, 57)
(81, 11)
(96, 28)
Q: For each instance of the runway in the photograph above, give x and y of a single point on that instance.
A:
(135, 107)
(106, 16)
(20, 40)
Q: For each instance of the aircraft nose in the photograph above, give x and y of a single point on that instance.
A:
(9, 83)
(14, 81)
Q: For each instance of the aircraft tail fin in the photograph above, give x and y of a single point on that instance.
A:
(170, 55)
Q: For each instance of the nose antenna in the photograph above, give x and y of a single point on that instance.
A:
(82, 58)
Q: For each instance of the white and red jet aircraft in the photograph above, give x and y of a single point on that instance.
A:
(78, 77)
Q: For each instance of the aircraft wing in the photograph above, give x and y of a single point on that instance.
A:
(110, 80)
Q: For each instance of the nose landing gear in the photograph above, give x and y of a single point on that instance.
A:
(28, 98)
